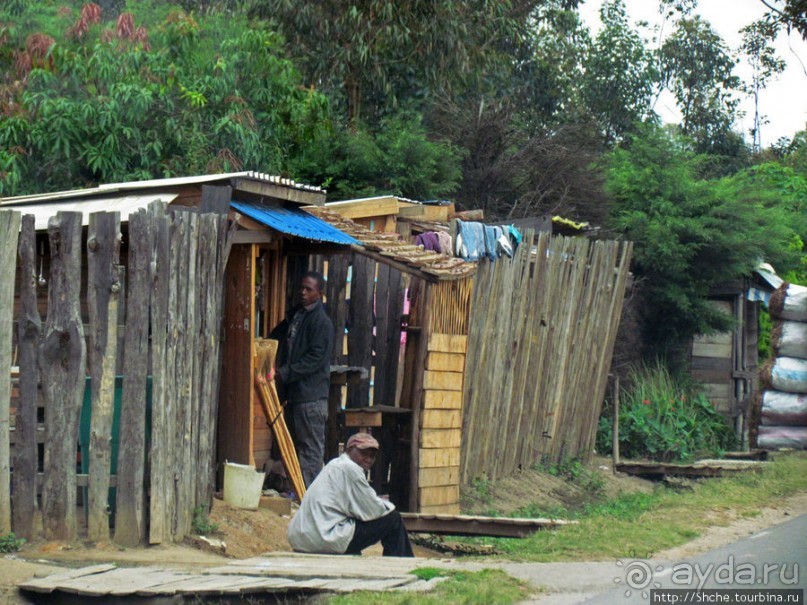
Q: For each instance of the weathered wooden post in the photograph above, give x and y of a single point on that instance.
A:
(29, 335)
(103, 288)
(62, 368)
(130, 515)
(9, 232)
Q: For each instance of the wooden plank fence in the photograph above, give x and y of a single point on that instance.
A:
(171, 337)
(539, 349)
(9, 230)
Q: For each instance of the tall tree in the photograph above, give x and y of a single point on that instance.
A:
(790, 13)
(765, 65)
(698, 68)
(374, 53)
(691, 233)
(619, 74)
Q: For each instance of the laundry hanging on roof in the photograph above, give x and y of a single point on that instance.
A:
(476, 240)
(470, 242)
(445, 242)
(429, 241)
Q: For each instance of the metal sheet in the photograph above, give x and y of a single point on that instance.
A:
(294, 222)
(106, 189)
(123, 204)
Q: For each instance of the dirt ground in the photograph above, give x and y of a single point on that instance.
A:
(548, 492)
(251, 533)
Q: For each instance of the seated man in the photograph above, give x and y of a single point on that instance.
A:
(341, 514)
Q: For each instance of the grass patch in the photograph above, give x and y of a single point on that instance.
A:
(486, 587)
(639, 524)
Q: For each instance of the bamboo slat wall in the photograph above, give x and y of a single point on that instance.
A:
(541, 337)
(177, 263)
(440, 418)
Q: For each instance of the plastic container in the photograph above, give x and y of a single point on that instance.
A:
(242, 485)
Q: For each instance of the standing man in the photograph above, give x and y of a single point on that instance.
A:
(304, 371)
(341, 513)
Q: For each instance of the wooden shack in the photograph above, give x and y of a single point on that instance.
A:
(266, 227)
(726, 364)
(504, 366)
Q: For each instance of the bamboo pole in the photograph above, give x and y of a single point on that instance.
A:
(264, 358)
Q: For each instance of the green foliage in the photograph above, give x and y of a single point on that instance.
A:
(429, 573)
(201, 522)
(697, 67)
(640, 524)
(10, 543)
(661, 419)
(396, 158)
(374, 55)
(690, 233)
(486, 587)
(113, 107)
(620, 74)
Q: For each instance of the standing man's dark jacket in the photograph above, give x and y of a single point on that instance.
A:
(305, 371)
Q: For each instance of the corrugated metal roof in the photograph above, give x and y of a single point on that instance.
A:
(294, 222)
(126, 205)
(107, 188)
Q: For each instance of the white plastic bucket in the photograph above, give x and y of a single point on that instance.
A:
(242, 485)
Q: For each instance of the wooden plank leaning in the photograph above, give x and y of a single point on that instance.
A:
(265, 352)
(9, 233)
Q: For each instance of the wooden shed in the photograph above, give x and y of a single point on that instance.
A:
(266, 227)
(726, 364)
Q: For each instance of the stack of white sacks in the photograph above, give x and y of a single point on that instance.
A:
(783, 414)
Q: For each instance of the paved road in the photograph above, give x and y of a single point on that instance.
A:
(775, 558)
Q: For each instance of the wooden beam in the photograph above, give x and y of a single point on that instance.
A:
(280, 192)
(366, 208)
(394, 263)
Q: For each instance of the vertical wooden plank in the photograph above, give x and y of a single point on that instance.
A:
(389, 306)
(103, 256)
(380, 357)
(9, 234)
(188, 396)
(130, 518)
(423, 319)
(175, 362)
(217, 239)
(62, 369)
(159, 451)
(360, 331)
(236, 383)
(336, 298)
(29, 333)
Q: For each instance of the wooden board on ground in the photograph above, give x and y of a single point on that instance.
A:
(448, 343)
(465, 525)
(701, 468)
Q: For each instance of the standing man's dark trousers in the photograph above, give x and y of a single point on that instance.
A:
(389, 530)
(309, 419)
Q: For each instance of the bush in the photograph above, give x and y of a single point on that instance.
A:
(10, 543)
(664, 420)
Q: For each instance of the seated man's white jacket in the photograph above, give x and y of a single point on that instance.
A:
(338, 496)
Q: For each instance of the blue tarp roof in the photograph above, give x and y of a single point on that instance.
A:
(294, 222)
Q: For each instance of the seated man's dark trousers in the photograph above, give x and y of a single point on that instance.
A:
(389, 530)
